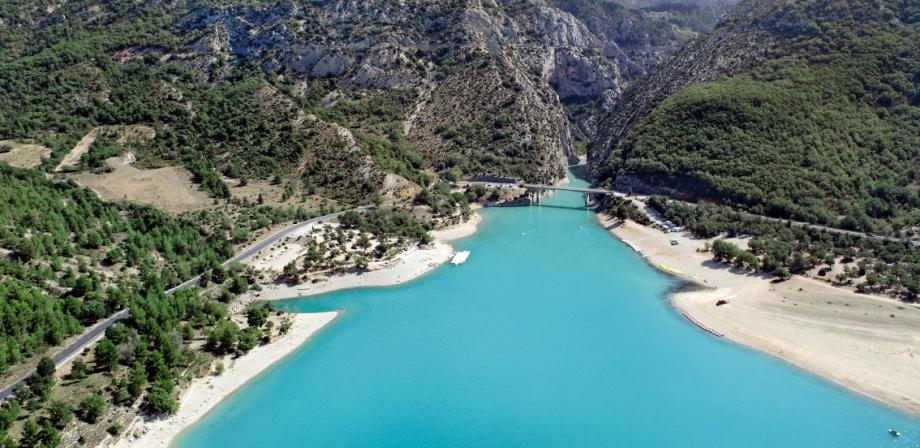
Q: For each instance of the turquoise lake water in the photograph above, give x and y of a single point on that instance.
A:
(553, 334)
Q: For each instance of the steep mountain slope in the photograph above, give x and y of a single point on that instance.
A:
(467, 63)
(806, 110)
(326, 97)
(647, 31)
(648, 34)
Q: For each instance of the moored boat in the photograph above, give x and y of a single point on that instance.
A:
(460, 258)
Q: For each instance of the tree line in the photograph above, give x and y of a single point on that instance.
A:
(70, 258)
(781, 249)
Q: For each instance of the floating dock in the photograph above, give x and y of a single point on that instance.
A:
(460, 258)
(703, 326)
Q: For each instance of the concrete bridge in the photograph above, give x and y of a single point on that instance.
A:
(536, 190)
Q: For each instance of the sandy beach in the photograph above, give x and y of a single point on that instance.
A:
(407, 266)
(206, 393)
(867, 344)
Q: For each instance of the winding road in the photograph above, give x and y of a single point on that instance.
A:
(640, 202)
(818, 227)
(271, 239)
(91, 334)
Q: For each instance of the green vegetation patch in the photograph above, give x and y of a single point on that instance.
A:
(104, 147)
(808, 138)
(871, 265)
(387, 224)
(376, 120)
(73, 259)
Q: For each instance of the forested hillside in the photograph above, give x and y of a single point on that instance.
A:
(819, 122)
(326, 97)
(77, 74)
(70, 259)
(66, 69)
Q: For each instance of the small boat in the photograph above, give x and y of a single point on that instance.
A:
(460, 258)
(632, 246)
(894, 432)
(669, 269)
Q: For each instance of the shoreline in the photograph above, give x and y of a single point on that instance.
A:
(804, 322)
(864, 344)
(405, 267)
(204, 394)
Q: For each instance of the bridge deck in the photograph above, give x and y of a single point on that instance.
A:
(648, 212)
(576, 189)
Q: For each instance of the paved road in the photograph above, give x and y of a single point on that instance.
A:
(92, 333)
(88, 337)
(818, 227)
(272, 239)
(835, 230)
(658, 219)
(75, 347)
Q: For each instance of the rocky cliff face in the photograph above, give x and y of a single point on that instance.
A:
(657, 3)
(500, 86)
(647, 31)
(470, 61)
(736, 46)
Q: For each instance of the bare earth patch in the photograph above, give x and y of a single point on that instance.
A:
(125, 133)
(272, 194)
(397, 187)
(169, 188)
(24, 155)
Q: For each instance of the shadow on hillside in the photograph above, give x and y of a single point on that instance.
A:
(580, 171)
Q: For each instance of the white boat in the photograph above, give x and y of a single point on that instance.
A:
(460, 257)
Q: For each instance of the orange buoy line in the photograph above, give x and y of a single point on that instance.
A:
(704, 327)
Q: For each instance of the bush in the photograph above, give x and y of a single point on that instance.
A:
(91, 408)
(115, 429)
(60, 414)
(223, 337)
(160, 400)
(78, 370)
(257, 314)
